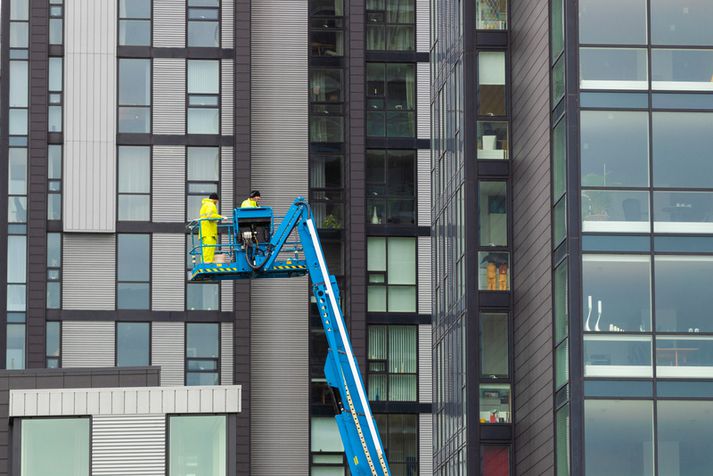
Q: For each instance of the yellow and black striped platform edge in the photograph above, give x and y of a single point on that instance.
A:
(234, 270)
(290, 266)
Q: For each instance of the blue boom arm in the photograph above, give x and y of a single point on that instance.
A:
(251, 258)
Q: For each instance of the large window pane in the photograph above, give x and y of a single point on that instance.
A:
(495, 403)
(616, 293)
(134, 169)
(494, 345)
(683, 437)
(615, 211)
(683, 305)
(684, 357)
(401, 262)
(202, 340)
(491, 83)
(562, 441)
(559, 159)
(681, 149)
(556, 28)
(16, 259)
(560, 310)
(133, 257)
(494, 460)
(610, 68)
(197, 445)
(15, 351)
(493, 140)
(617, 356)
(683, 70)
(399, 434)
(132, 344)
(683, 212)
(56, 446)
(203, 33)
(494, 271)
(615, 148)
(493, 206)
(203, 77)
(203, 120)
(618, 438)
(491, 14)
(134, 82)
(625, 22)
(682, 22)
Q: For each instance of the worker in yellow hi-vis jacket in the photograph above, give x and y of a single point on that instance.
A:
(252, 201)
(209, 226)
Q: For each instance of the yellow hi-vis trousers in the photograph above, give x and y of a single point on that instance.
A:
(209, 243)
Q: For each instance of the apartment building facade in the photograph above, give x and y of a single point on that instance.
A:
(118, 118)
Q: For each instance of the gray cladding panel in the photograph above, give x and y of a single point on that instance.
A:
(227, 23)
(169, 272)
(88, 271)
(424, 275)
(532, 282)
(423, 177)
(423, 100)
(423, 26)
(168, 351)
(89, 202)
(226, 208)
(226, 353)
(226, 88)
(129, 445)
(169, 24)
(425, 371)
(169, 184)
(169, 96)
(87, 344)
(425, 443)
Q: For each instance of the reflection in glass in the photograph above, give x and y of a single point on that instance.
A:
(493, 140)
(616, 293)
(625, 22)
(683, 212)
(614, 100)
(15, 350)
(197, 445)
(493, 206)
(615, 211)
(681, 70)
(618, 438)
(556, 28)
(491, 14)
(683, 293)
(495, 403)
(681, 23)
(615, 148)
(494, 345)
(684, 357)
(613, 68)
(494, 271)
(201, 297)
(390, 186)
(491, 83)
(617, 356)
(133, 257)
(682, 142)
(683, 444)
(132, 344)
(132, 296)
(56, 446)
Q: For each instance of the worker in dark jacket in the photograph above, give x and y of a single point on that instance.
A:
(252, 201)
(209, 226)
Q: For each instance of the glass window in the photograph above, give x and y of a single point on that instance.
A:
(391, 99)
(557, 28)
(202, 354)
(494, 460)
(197, 445)
(133, 341)
(494, 345)
(57, 446)
(16, 259)
(495, 403)
(399, 434)
(202, 296)
(391, 264)
(615, 211)
(682, 70)
(683, 305)
(613, 68)
(134, 23)
(53, 344)
(203, 164)
(494, 271)
(558, 81)
(562, 364)
(491, 14)
(682, 142)
(625, 21)
(203, 23)
(617, 356)
(562, 441)
(133, 258)
(326, 85)
(615, 148)
(326, 447)
(392, 363)
(493, 206)
(683, 212)
(493, 140)
(618, 437)
(683, 447)
(391, 25)
(134, 183)
(559, 222)
(134, 95)
(684, 357)
(15, 355)
(391, 186)
(19, 84)
(203, 91)
(616, 293)
(681, 23)
(326, 171)
(491, 83)
(560, 300)
(559, 159)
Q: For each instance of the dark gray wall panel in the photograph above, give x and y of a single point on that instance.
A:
(534, 433)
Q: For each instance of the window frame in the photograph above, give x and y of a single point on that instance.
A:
(386, 372)
(219, 15)
(385, 284)
(58, 357)
(149, 269)
(121, 19)
(116, 341)
(218, 360)
(217, 96)
(384, 99)
(388, 198)
(148, 107)
(148, 194)
(385, 26)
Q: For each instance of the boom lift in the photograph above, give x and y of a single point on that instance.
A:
(252, 250)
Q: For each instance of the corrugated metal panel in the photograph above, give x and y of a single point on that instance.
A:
(226, 353)
(226, 180)
(423, 100)
(423, 26)
(424, 275)
(125, 400)
(88, 272)
(169, 23)
(87, 344)
(169, 183)
(279, 153)
(227, 107)
(425, 371)
(169, 96)
(168, 350)
(227, 22)
(169, 272)
(423, 171)
(425, 443)
(129, 445)
(90, 116)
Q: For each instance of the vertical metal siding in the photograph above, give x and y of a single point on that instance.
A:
(88, 272)
(226, 107)
(425, 443)
(423, 172)
(226, 353)
(129, 445)
(425, 381)
(226, 207)
(87, 344)
(169, 183)
(169, 96)
(168, 351)
(90, 116)
(169, 23)
(227, 21)
(424, 274)
(423, 26)
(169, 272)
(423, 100)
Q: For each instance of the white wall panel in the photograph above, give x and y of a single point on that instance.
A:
(88, 344)
(228, 20)
(89, 271)
(425, 372)
(169, 23)
(169, 96)
(169, 184)
(226, 353)
(423, 27)
(169, 272)
(129, 445)
(423, 100)
(227, 106)
(423, 172)
(425, 443)
(424, 274)
(89, 202)
(168, 351)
